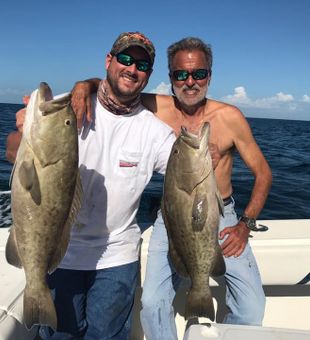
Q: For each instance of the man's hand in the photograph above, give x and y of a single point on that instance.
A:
(236, 241)
(81, 102)
(20, 119)
(215, 154)
(14, 138)
(20, 115)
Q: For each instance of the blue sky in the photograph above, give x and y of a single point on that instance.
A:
(261, 48)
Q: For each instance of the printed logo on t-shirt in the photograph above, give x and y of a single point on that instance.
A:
(127, 164)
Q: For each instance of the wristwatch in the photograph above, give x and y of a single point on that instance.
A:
(250, 222)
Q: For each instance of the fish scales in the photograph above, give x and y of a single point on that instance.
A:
(191, 208)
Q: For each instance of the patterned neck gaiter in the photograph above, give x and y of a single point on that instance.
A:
(110, 104)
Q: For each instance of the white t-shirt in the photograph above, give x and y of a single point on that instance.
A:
(117, 157)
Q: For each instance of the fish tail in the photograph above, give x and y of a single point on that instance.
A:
(39, 308)
(199, 304)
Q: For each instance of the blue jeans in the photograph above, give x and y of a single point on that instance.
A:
(93, 304)
(245, 297)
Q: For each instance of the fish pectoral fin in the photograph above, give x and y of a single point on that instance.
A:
(11, 250)
(219, 267)
(65, 237)
(29, 180)
(199, 211)
(27, 174)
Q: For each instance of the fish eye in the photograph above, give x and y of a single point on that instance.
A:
(176, 151)
(67, 122)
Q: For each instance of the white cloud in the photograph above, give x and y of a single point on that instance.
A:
(240, 97)
(306, 98)
(282, 97)
(162, 88)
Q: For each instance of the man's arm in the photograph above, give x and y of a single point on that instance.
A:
(81, 99)
(254, 159)
(256, 162)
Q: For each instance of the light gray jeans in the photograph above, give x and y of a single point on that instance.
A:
(245, 297)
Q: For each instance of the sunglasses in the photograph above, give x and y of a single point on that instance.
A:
(182, 75)
(128, 60)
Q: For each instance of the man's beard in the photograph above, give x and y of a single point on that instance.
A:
(190, 103)
(119, 93)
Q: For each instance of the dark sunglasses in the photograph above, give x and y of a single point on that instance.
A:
(182, 75)
(127, 60)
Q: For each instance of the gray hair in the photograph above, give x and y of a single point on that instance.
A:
(190, 44)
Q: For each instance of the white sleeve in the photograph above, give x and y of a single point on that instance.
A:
(163, 153)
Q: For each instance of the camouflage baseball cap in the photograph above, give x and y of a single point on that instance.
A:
(129, 39)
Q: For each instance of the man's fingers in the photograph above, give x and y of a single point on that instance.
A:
(230, 250)
(81, 102)
(239, 252)
(89, 115)
(79, 117)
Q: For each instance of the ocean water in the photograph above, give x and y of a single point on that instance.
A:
(285, 144)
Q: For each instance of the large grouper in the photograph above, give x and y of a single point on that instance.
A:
(46, 196)
(191, 209)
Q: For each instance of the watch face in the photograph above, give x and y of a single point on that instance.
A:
(250, 222)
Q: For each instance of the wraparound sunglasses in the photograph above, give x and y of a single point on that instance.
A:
(182, 75)
(128, 60)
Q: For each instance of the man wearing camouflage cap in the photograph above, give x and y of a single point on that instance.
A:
(94, 286)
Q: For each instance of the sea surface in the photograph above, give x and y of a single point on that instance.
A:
(285, 144)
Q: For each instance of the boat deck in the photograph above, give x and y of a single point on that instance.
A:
(282, 254)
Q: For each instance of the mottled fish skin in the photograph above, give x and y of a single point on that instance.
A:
(46, 196)
(191, 208)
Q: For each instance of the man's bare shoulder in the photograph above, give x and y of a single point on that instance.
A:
(225, 112)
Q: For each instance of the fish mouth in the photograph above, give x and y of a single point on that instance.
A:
(47, 104)
(193, 139)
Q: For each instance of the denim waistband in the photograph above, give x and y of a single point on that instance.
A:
(227, 200)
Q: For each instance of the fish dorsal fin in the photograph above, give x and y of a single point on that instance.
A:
(65, 237)
(11, 249)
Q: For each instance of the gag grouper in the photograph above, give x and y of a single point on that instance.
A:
(46, 196)
(191, 208)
